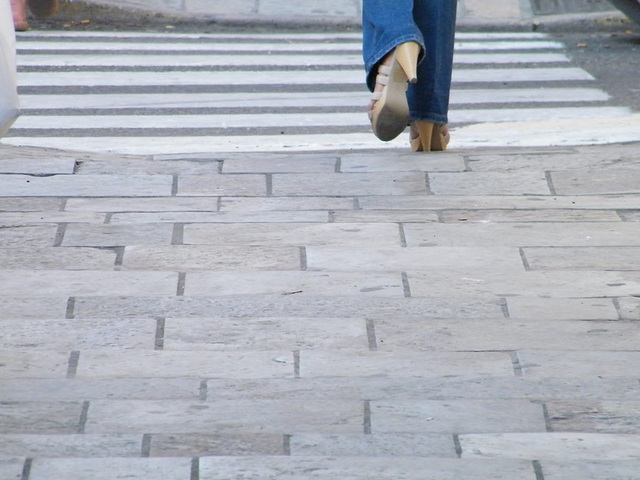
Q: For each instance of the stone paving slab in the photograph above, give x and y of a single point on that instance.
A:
(89, 235)
(522, 216)
(592, 470)
(33, 307)
(350, 184)
(363, 468)
(630, 307)
(148, 166)
(66, 390)
(216, 185)
(489, 183)
(586, 258)
(36, 364)
(271, 417)
(505, 335)
(610, 180)
(456, 416)
(174, 364)
(41, 166)
(281, 164)
(188, 258)
(523, 234)
(34, 218)
(86, 186)
(31, 204)
(11, 467)
(554, 160)
(374, 445)
(521, 308)
(287, 204)
(111, 468)
(594, 416)
(53, 258)
(71, 446)
(219, 217)
(587, 364)
(29, 236)
(212, 444)
(140, 205)
(75, 283)
(294, 283)
(265, 333)
(57, 334)
(403, 162)
(534, 283)
(558, 447)
(630, 215)
(367, 259)
(503, 202)
(383, 216)
(293, 234)
(40, 417)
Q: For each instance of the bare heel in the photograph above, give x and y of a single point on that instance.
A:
(431, 137)
(422, 143)
(406, 55)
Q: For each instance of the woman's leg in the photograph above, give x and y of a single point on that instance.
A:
(19, 10)
(429, 97)
(386, 24)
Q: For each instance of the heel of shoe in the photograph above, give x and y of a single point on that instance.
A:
(425, 130)
(406, 54)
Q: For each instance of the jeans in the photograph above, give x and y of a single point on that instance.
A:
(431, 23)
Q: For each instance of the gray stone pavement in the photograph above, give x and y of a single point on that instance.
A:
(357, 315)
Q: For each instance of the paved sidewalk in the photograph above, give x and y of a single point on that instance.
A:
(471, 13)
(357, 315)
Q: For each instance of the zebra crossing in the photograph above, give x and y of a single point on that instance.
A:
(148, 93)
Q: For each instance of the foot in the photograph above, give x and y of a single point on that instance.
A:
(379, 88)
(19, 11)
(429, 137)
(388, 109)
(43, 8)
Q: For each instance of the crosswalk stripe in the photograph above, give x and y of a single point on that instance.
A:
(257, 36)
(155, 101)
(278, 77)
(191, 93)
(162, 61)
(203, 122)
(115, 46)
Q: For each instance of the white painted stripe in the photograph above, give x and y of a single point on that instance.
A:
(500, 36)
(190, 36)
(509, 45)
(177, 122)
(502, 58)
(276, 77)
(84, 60)
(219, 47)
(545, 133)
(549, 133)
(24, 47)
(253, 36)
(286, 100)
(178, 145)
(147, 60)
